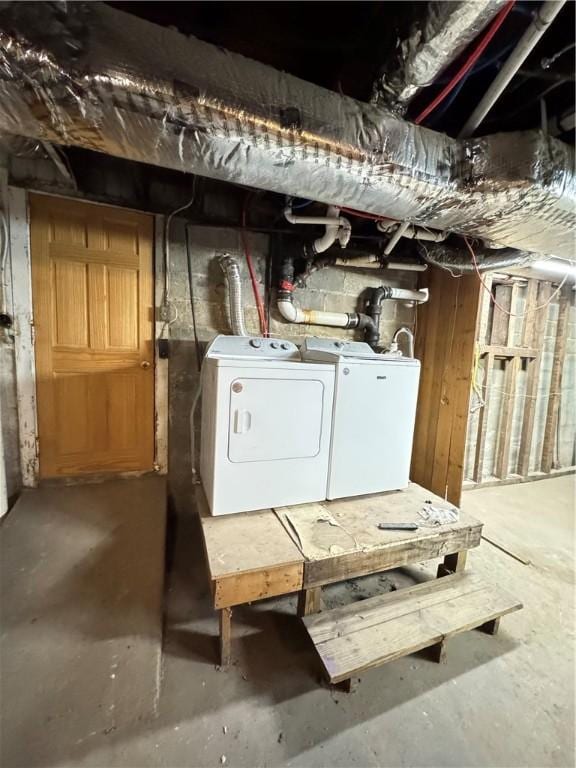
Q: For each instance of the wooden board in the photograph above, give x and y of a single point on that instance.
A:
(538, 295)
(552, 412)
(356, 637)
(92, 278)
(354, 546)
(445, 346)
(250, 555)
(506, 413)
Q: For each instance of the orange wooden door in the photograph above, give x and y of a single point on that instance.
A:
(92, 292)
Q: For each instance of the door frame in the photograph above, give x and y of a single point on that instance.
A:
(20, 256)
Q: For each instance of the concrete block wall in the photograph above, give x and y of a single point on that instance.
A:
(333, 289)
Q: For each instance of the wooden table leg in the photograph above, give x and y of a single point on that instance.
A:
(453, 563)
(225, 636)
(309, 601)
(491, 627)
(438, 652)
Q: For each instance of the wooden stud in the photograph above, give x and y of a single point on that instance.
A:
(225, 636)
(529, 337)
(506, 414)
(500, 351)
(483, 421)
(500, 317)
(437, 652)
(454, 563)
(309, 601)
(512, 320)
(553, 410)
(533, 335)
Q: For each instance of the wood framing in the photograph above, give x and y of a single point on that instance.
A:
(24, 335)
(445, 346)
(525, 334)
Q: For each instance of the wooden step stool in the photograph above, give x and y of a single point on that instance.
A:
(369, 633)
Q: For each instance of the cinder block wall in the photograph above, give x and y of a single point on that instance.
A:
(332, 289)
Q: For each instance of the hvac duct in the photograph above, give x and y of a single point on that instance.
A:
(434, 42)
(95, 77)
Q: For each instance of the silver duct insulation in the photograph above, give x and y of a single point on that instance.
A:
(232, 271)
(434, 42)
(102, 79)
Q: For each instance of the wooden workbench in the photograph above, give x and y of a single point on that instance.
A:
(255, 555)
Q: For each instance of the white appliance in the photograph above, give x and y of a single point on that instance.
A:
(373, 418)
(266, 423)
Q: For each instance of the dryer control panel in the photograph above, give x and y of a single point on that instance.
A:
(252, 347)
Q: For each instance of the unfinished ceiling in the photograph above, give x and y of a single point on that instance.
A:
(93, 77)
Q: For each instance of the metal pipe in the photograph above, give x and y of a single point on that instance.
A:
(232, 272)
(545, 15)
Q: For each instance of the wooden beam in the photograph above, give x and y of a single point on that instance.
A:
(513, 319)
(500, 316)
(309, 601)
(478, 473)
(529, 338)
(551, 427)
(538, 295)
(499, 351)
(506, 414)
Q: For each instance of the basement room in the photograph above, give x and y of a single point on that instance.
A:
(287, 384)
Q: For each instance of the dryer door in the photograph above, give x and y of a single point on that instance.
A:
(274, 419)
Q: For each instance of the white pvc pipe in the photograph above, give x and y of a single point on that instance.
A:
(373, 262)
(294, 314)
(406, 294)
(545, 15)
(337, 227)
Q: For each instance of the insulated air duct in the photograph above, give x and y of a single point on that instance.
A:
(434, 42)
(87, 75)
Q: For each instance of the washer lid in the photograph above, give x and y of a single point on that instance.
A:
(337, 350)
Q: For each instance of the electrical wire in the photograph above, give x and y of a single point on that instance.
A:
(301, 205)
(469, 63)
(167, 223)
(547, 62)
(4, 259)
(493, 298)
(192, 303)
(253, 278)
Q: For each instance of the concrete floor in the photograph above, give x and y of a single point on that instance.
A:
(499, 701)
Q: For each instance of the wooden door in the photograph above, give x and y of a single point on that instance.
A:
(92, 292)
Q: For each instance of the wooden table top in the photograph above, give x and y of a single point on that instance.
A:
(333, 540)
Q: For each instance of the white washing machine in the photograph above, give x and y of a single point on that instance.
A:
(266, 425)
(373, 418)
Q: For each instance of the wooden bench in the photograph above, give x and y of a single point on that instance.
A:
(371, 632)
